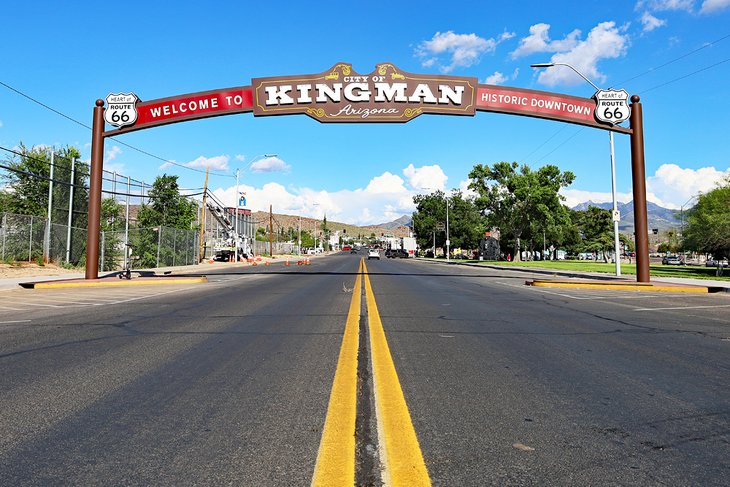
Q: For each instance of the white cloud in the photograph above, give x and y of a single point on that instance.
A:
(711, 6)
(112, 154)
(496, 79)
(605, 41)
(649, 22)
(461, 50)
(432, 177)
(384, 199)
(675, 185)
(270, 164)
(465, 191)
(539, 41)
(574, 197)
(386, 183)
(240, 157)
(215, 163)
(670, 186)
(665, 5)
(1, 124)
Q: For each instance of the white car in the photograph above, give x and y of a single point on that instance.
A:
(373, 254)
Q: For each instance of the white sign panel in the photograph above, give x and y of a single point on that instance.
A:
(121, 109)
(612, 106)
(616, 215)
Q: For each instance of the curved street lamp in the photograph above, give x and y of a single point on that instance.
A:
(613, 165)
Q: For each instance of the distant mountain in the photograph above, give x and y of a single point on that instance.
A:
(657, 216)
(309, 224)
(404, 221)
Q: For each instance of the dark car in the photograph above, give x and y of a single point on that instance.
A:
(672, 260)
(400, 254)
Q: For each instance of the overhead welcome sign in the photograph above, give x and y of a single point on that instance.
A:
(342, 95)
(385, 95)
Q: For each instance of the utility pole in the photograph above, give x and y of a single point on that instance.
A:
(47, 237)
(271, 231)
(202, 216)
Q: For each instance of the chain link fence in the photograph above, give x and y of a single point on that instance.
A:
(30, 238)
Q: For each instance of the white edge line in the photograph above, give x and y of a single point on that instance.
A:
(684, 307)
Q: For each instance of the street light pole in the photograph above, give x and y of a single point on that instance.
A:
(238, 199)
(613, 166)
(448, 242)
(681, 214)
(315, 229)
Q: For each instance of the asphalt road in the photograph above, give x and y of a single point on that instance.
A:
(228, 383)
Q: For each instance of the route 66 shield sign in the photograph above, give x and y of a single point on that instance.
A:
(612, 106)
(121, 109)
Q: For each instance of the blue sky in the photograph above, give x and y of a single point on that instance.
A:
(674, 53)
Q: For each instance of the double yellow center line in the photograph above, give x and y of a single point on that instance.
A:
(400, 454)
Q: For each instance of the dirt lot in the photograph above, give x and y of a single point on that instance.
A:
(31, 269)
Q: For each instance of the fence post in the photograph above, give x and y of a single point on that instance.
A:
(174, 246)
(30, 241)
(5, 231)
(70, 211)
(103, 237)
(159, 239)
(47, 239)
(126, 230)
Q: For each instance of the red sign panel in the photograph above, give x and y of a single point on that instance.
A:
(541, 104)
(340, 94)
(191, 106)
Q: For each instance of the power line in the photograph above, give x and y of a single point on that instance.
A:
(685, 76)
(141, 151)
(651, 70)
(546, 141)
(561, 144)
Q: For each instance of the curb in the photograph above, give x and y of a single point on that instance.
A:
(77, 283)
(607, 282)
(623, 286)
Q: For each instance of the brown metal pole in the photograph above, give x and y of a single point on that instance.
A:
(271, 231)
(638, 175)
(97, 167)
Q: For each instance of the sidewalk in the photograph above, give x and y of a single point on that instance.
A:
(168, 272)
(723, 286)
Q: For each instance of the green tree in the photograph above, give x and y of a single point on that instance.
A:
(28, 183)
(325, 234)
(708, 223)
(596, 227)
(112, 225)
(520, 201)
(466, 225)
(167, 209)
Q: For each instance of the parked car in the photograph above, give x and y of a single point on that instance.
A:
(373, 254)
(672, 260)
(711, 262)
